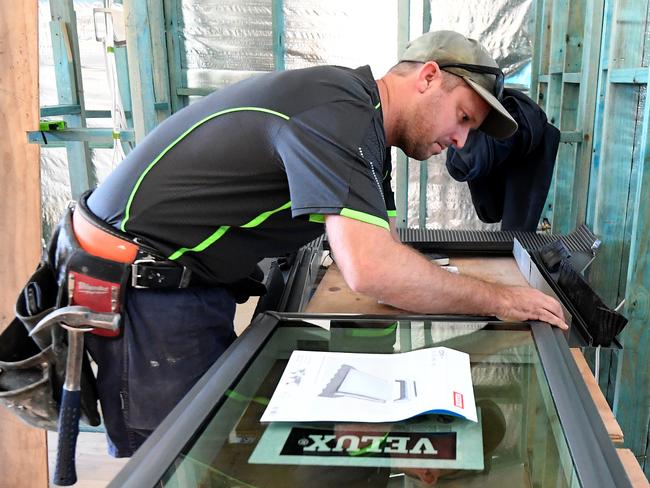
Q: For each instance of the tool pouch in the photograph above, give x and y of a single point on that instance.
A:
(33, 368)
(26, 377)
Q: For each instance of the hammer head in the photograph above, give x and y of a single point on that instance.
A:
(79, 319)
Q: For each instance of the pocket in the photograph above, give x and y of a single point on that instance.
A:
(36, 300)
(25, 378)
(172, 338)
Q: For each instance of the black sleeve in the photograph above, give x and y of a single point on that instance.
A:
(328, 167)
(389, 196)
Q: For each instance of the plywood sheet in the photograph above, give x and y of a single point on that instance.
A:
(333, 295)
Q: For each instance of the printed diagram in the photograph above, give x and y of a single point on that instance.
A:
(353, 383)
(295, 377)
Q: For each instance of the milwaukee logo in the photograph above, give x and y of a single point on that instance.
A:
(310, 442)
(88, 289)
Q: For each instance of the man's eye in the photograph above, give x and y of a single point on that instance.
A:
(464, 117)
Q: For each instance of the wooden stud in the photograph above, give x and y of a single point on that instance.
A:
(536, 68)
(139, 50)
(564, 204)
(589, 68)
(612, 212)
(176, 56)
(634, 472)
(611, 425)
(23, 449)
(558, 36)
(545, 39)
(63, 29)
(599, 114)
(159, 58)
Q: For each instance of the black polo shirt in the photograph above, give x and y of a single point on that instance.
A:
(249, 171)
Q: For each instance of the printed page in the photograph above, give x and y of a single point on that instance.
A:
(349, 387)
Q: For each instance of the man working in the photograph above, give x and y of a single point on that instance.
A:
(255, 170)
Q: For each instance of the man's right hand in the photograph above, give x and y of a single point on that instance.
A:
(524, 303)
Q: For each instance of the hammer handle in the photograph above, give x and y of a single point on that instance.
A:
(65, 473)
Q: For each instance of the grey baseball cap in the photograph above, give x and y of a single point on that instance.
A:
(449, 47)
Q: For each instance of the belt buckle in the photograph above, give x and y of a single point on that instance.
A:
(136, 273)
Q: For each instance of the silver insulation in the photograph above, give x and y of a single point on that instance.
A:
(227, 40)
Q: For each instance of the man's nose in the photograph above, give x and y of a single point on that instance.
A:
(460, 137)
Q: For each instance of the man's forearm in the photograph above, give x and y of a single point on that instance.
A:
(409, 281)
(377, 265)
(374, 264)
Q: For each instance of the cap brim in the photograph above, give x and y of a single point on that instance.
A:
(498, 123)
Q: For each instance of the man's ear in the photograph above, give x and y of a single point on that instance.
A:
(428, 74)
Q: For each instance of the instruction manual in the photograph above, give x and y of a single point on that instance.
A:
(358, 387)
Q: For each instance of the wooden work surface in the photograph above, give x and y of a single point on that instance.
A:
(334, 296)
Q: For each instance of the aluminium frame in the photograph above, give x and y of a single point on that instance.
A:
(594, 457)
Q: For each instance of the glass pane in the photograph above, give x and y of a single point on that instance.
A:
(522, 440)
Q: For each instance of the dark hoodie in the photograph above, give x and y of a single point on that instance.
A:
(509, 179)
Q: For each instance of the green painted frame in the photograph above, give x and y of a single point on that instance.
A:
(589, 74)
(67, 66)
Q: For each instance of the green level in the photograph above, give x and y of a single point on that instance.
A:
(52, 125)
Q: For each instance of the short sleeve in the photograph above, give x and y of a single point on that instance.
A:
(329, 169)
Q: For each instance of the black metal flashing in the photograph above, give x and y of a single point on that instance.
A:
(582, 240)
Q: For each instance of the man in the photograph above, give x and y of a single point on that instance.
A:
(255, 170)
(509, 178)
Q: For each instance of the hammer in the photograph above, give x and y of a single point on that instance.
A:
(76, 320)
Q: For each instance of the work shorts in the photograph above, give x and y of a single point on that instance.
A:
(170, 339)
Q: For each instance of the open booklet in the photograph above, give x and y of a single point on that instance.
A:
(356, 387)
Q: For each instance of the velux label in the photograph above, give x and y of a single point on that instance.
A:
(309, 442)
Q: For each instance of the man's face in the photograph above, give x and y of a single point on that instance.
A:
(441, 118)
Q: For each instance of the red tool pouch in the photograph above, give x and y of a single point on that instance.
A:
(91, 281)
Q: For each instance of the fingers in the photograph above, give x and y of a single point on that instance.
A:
(552, 313)
(553, 319)
(531, 304)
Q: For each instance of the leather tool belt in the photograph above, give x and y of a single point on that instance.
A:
(147, 268)
(86, 263)
(89, 263)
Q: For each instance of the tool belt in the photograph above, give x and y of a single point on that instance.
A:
(144, 266)
(87, 262)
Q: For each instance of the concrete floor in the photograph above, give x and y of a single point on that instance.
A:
(95, 468)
